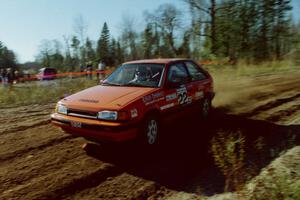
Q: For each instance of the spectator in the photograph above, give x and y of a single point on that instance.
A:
(16, 76)
(82, 70)
(101, 69)
(89, 69)
(1, 75)
(4, 77)
(10, 76)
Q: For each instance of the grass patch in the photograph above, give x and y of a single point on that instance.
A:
(243, 69)
(41, 92)
(278, 180)
(228, 151)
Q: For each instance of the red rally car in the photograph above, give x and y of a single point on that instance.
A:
(135, 99)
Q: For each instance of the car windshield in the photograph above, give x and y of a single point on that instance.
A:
(139, 75)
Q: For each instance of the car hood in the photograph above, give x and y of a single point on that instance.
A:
(105, 97)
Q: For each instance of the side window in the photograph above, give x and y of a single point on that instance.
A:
(177, 73)
(195, 72)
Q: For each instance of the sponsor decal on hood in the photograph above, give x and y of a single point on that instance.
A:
(89, 100)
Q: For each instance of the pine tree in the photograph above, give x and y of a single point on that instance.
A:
(75, 43)
(147, 42)
(266, 10)
(7, 57)
(119, 54)
(1, 52)
(156, 42)
(184, 49)
(90, 52)
(132, 37)
(229, 30)
(103, 45)
(282, 26)
(112, 52)
(248, 16)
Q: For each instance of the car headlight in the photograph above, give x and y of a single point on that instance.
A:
(62, 109)
(108, 115)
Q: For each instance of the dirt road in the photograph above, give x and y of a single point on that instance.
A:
(39, 161)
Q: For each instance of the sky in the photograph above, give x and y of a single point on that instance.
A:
(25, 23)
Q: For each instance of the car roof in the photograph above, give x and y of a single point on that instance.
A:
(157, 61)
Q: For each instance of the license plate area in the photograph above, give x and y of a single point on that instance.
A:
(76, 124)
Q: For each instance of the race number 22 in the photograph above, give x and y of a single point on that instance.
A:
(182, 95)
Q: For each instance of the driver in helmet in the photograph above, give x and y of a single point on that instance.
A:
(141, 74)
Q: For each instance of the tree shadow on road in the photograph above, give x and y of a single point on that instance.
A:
(183, 161)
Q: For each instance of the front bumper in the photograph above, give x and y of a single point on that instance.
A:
(95, 130)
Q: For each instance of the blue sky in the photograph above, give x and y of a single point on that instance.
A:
(25, 23)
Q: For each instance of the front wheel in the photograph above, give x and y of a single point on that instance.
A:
(150, 131)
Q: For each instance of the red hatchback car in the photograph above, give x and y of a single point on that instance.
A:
(47, 74)
(135, 100)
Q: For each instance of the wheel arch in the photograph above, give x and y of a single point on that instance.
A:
(153, 111)
(210, 95)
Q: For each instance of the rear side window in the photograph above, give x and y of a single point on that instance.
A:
(196, 73)
(177, 73)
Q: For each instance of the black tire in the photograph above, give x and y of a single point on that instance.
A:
(149, 131)
(205, 107)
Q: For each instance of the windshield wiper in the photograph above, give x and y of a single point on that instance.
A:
(132, 84)
(111, 84)
(136, 84)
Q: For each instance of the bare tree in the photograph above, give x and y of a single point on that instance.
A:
(80, 27)
(57, 46)
(167, 18)
(208, 9)
(45, 49)
(129, 36)
(67, 45)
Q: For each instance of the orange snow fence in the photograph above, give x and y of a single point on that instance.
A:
(61, 75)
(77, 74)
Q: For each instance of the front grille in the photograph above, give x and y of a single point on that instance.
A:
(84, 114)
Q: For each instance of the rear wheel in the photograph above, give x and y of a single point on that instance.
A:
(205, 107)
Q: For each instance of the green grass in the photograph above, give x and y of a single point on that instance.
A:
(41, 92)
(244, 69)
(279, 180)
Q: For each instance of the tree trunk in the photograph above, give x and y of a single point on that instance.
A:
(213, 27)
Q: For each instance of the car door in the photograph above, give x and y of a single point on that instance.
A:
(199, 81)
(178, 90)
